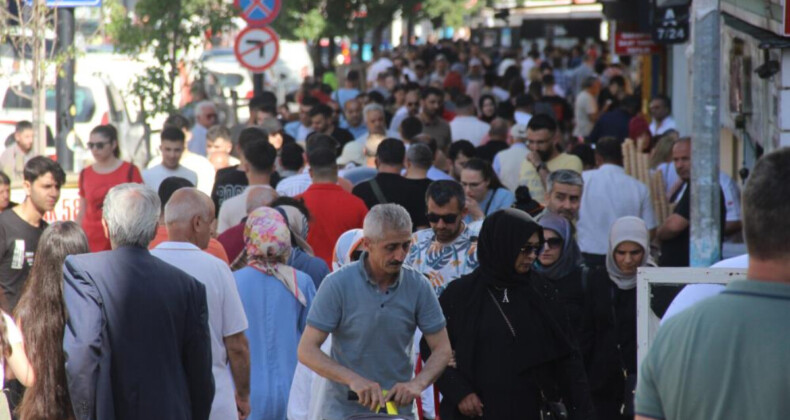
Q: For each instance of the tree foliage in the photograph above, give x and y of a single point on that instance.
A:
(169, 30)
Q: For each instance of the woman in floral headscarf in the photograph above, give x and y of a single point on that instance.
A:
(276, 298)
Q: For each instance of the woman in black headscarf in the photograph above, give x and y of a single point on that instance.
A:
(512, 354)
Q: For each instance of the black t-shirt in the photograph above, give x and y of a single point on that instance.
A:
(675, 252)
(18, 243)
(230, 182)
(489, 150)
(342, 136)
(409, 193)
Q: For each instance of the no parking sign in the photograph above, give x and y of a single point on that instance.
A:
(257, 48)
(258, 13)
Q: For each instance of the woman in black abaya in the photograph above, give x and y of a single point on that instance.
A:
(512, 354)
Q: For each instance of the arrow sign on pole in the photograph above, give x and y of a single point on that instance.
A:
(258, 13)
(257, 48)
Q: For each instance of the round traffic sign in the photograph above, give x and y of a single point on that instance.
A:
(258, 12)
(257, 48)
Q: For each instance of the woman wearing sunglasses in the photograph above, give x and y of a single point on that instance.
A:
(560, 265)
(612, 366)
(513, 355)
(107, 171)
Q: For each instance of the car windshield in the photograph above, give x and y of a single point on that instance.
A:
(83, 100)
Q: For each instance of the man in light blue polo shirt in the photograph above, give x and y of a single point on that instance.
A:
(372, 308)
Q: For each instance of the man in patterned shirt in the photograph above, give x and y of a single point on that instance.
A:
(448, 250)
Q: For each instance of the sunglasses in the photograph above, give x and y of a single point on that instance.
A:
(448, 218)
(98, 145)
(531, 249)
(554, 242)
(356, 254)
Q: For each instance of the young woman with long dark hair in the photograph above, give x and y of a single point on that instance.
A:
(41, 315)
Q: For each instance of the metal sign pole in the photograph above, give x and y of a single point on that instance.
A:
(705, 235)
(64, 88)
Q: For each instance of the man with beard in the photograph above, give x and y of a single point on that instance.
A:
(544, 157)
(564, 195)
(448, 235)
(431, 117)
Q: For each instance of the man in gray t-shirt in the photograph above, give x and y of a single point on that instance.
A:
(372, 308)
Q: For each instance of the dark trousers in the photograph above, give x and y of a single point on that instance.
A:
(594, 261)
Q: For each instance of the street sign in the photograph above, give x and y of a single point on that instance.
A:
(633, 43)
(258, 13)
(671, 24)
(257, 48)
(69, 3)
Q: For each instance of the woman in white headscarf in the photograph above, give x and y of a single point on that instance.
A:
(612, 369)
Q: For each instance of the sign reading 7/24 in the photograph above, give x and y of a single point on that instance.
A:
(671, 24)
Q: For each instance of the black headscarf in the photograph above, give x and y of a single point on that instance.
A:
(501, 238)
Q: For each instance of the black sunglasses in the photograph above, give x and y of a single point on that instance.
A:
(554, 242)
(448, 218)
(532, 249)
(356, 254)
(98, 145)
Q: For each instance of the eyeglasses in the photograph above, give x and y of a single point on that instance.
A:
(448, 218)
(98, 145)
(531, 249)
(554, 242)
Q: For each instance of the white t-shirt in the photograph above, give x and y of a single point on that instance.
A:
(584, 107)
(200, 165)
(667, 124)
(694, 293)
(608, 195)
(14, 337)
(468, 128)
(225, 314)
(154, 176)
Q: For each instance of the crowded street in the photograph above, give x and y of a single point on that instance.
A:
(418, 210)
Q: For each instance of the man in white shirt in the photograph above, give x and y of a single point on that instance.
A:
(660, 109)
(205, 118)
(466, 125)
(586, 107)
(200, 165)
(609, 194)
(410, 108)
(524, 105)
(258, 165)
(172, 142)
(189, 215)
(507, 163)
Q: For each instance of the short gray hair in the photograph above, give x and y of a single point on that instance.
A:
(564, 176)
(386, 217)
(259, 196)
(131, 212)
(187, 203)
(370, 108)
(420, 155)
(203, 104)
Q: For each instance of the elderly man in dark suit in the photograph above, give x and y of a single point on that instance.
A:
(137, 339)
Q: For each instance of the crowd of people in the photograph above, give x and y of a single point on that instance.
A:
(452, 235)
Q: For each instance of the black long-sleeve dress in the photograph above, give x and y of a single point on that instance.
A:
(507, 373)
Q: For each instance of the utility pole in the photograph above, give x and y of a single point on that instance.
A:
(64, 88)
(705, 190)
(39, 19)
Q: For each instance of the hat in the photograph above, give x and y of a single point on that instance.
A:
(353, 153)
(518, 131)
(475, 62)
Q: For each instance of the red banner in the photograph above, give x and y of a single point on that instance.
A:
(632, 43)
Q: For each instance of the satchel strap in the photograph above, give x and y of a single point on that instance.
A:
(374, 185)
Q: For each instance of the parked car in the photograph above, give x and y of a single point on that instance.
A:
(96, 100)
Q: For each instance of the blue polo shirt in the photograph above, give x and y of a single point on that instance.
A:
(372, 331)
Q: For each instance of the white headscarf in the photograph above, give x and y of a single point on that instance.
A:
(627, 229)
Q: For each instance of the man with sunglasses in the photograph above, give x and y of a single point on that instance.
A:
(448, 250)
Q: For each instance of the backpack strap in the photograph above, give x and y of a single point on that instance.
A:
(374, 185)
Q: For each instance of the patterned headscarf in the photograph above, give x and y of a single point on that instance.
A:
(267, 241)
(346, 244)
